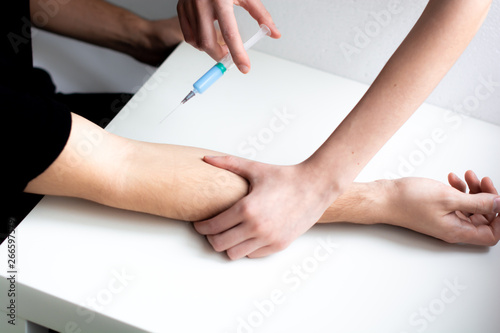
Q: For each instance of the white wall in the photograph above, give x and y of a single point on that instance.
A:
(350, 38)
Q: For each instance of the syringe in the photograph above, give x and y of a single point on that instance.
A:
(223, 65)
(226, 63)
(216, 72)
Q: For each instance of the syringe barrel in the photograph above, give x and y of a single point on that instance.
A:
(226, 63)
(264, 31)
(209, 78)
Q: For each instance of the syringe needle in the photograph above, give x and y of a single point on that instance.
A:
(168, 115)
(187, 98)
(219, 69)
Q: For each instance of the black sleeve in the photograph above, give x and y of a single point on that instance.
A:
(36, 129)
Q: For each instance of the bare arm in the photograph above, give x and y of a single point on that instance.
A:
(431, 48)
(173, 181)
(436, 41)
(425, 206)
(160, 179)
(104, 24)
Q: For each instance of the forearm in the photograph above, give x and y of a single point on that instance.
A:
(86, 166)
(174, 181)
(428, 52)
(189, 189)
(160, 179)
(361, 203)
(168, 180)
(92, 21)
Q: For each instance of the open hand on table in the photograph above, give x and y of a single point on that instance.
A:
(447, 213)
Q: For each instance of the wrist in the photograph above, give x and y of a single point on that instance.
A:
(320, 181)
(137, 36)
(127, 33)
(362, 203)
(384, 194)
(153, 41)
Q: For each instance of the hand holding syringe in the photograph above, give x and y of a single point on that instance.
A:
(216, 72)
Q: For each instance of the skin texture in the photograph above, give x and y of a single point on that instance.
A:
(174, 182)
(165, 180)
(283, 208)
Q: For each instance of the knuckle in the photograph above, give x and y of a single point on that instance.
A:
(263, 15)
(448, 201)
(190, 40)
(230, 159)
(481, 206)
(281, 244)
(248, 211)
(229, 34)
(205, 44)
(258, 228)
(478, 206)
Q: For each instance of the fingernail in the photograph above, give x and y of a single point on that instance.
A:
(244, 69)
(496, 205)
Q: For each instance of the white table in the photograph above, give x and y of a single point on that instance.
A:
(83, 267)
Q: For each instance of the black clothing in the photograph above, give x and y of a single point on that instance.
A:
(36, 126)
(37, 120)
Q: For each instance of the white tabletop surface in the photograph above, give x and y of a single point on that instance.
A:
(84, 267)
